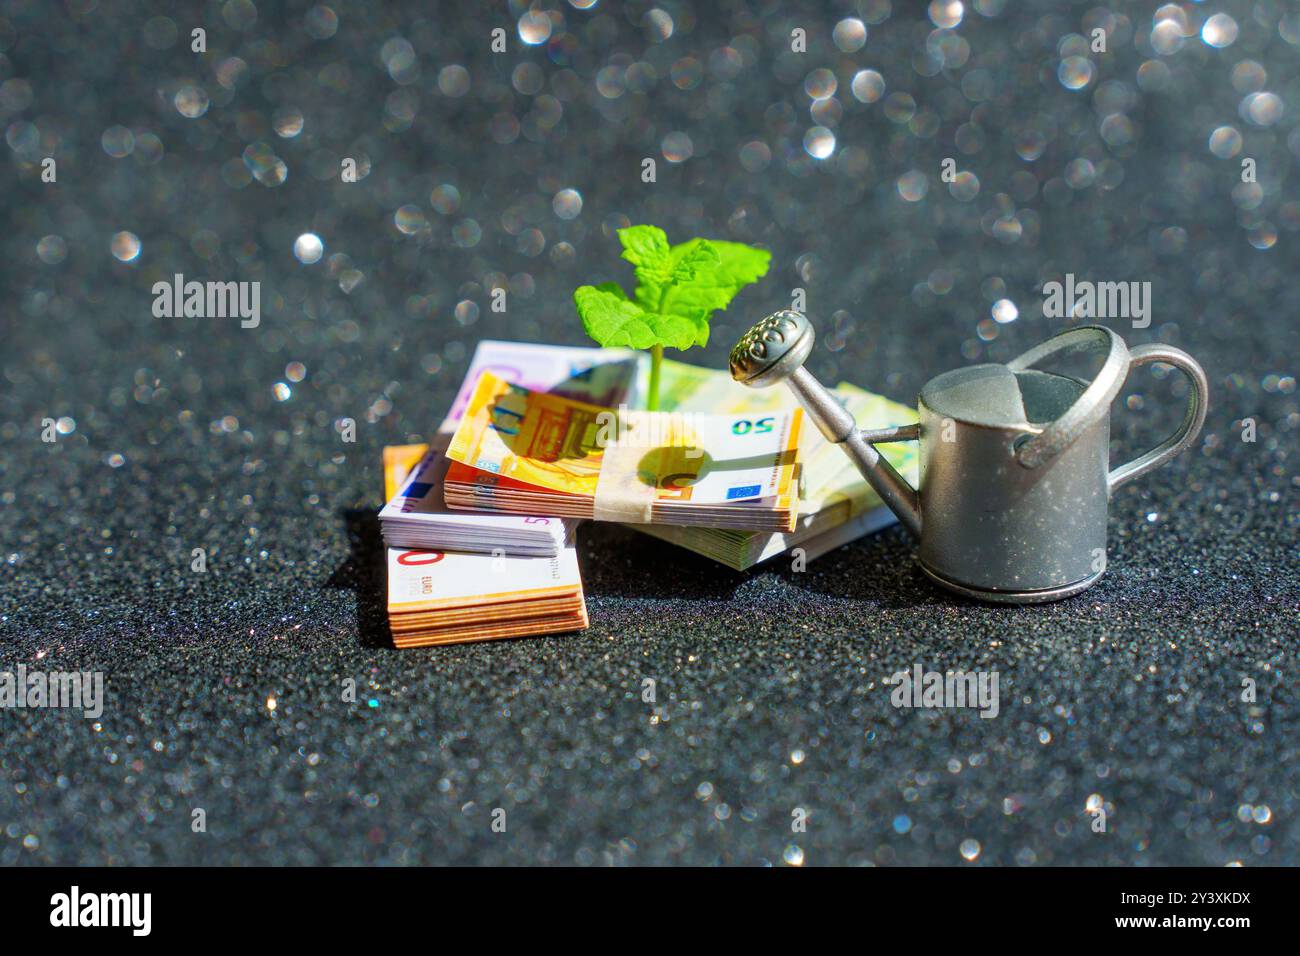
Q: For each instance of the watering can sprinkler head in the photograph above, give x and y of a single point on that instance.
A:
(773, 351)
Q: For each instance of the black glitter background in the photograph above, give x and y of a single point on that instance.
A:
(770, 684)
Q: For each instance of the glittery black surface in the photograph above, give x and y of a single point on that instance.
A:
(770, 694)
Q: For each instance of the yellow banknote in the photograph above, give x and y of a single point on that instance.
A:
(398, 462)
(563, 445)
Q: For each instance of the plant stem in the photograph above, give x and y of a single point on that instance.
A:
(656, 358)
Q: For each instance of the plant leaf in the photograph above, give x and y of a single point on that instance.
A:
(676, 331)
(678, 289)
(613, 320)
(646, 247)
(687, 264)
(700, 256)
(714, 283)
(741, 264)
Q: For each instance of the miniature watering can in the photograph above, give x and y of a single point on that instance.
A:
(1014, 469)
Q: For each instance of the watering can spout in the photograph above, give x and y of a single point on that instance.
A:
(774, 351)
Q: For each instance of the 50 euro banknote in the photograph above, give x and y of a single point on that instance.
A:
(523, 451)
(836, 506)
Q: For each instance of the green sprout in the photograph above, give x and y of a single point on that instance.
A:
(677, 289)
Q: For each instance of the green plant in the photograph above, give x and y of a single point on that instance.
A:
(677, 289)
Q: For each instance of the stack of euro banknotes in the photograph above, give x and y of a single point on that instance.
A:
(480, 523)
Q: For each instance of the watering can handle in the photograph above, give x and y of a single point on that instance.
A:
(1197, 402)
(1090, 407)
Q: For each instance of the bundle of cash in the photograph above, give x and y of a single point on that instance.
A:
(448, 597)
(604, 377)
(813, 536)
(837, 506)
(529, 452)
(461, 576)
(440, 596)
(416, 516)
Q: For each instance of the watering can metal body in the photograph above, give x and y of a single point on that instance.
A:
(1014, 476)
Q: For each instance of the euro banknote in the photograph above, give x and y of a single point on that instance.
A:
(525, 451)
(605, 377)
(449, 597)
(398, 462)
(417, 516)
(837, 504)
